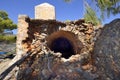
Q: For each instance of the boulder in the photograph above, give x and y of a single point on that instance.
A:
(107, 52)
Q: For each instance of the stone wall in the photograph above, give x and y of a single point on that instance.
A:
(63, 50)
(22, 34)
(99, 63)
(28, 28)
(47, 63)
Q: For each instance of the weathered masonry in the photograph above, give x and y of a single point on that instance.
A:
(56, 32)
(59, 50)
(72, 50)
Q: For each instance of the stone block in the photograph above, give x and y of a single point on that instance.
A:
(44, 11)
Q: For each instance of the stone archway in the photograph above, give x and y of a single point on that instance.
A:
(65, 42)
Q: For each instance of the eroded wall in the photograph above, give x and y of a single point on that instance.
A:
(30, 29)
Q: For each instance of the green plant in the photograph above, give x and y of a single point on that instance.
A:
(90, 15)
(6, 22)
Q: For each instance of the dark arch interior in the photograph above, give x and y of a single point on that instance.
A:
(63, 46)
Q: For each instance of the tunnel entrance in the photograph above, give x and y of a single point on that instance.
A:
(64, 42)
(63, 46)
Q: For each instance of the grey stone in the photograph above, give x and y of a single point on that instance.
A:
(107, 52)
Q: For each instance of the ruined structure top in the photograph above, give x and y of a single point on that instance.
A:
(45, 11)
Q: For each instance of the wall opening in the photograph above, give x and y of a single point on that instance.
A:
(63, 46)
(64, 42)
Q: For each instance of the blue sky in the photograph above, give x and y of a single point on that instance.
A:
(64, 11)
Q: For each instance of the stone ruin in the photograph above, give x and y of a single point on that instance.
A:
(78, 34)
(65, 50)
(63, 42)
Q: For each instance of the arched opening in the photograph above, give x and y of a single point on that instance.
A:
(63, 46)
(64, 42)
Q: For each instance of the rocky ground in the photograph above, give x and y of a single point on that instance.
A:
(7, 47)
(5, 59)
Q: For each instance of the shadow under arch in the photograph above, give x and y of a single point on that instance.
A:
(64, 42)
